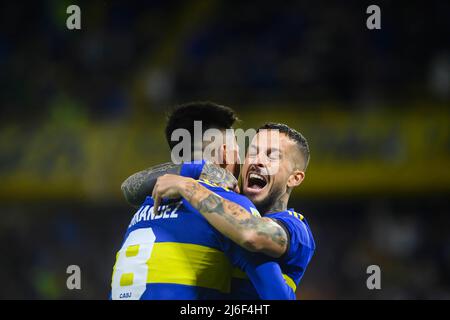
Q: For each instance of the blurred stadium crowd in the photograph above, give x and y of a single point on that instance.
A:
(81, 110)
(163, 52)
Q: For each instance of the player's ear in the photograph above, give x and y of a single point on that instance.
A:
(296, 178)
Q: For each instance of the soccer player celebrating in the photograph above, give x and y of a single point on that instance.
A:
(177, 254)
(270, 173)
(269, 176)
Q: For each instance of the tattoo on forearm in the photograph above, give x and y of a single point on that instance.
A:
(191, 191)
(136, 187)
(267, 229)
(218, 175)
(210, 203)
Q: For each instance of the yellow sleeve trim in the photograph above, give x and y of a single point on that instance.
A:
(296, 214)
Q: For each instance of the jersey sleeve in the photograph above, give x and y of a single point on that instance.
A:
(301, 244)
(192, 169)
(265, 275)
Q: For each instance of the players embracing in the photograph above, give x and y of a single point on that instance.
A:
(274, 165)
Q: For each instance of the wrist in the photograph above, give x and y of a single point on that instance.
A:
(185, 184)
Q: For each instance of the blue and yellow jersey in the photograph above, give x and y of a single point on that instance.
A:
(301, 245)
(179, 255)
(293, 262)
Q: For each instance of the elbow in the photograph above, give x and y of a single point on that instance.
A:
(252, 242)
(127, 195)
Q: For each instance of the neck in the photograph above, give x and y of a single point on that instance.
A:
(279, 205)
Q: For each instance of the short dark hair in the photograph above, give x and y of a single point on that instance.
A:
(293, 134)
(212, 115)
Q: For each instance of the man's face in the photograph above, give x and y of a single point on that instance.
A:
(268, 165)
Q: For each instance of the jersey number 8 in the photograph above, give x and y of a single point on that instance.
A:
(131, 269)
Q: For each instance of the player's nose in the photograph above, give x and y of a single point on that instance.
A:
(258, 167)
(262, 159)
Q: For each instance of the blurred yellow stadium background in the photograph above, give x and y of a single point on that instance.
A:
(379, 151)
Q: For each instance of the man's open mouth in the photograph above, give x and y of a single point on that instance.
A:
(256, 182)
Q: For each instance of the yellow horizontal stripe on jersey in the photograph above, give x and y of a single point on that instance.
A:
(189, 264)
(238, 273)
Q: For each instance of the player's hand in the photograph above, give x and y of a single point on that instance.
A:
(167, 186)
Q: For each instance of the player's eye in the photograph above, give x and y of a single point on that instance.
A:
(274, 155)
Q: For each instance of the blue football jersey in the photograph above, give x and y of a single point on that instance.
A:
(179, 255)
(301, 245)
(293, 263)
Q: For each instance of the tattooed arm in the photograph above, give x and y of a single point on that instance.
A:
(138, 186)
(233, 221)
